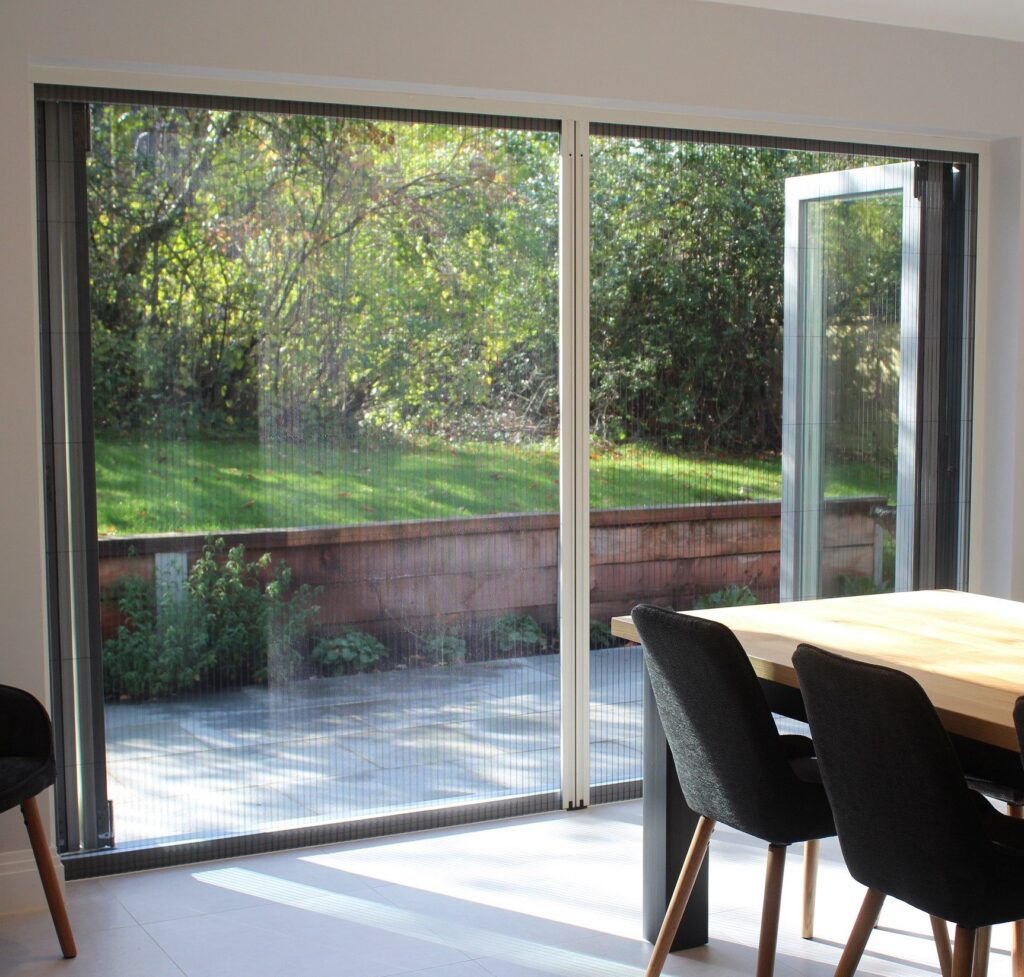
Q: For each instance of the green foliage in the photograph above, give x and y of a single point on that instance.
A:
(317, 276)
(601, 635)
(851, 585)
(447, 646)
(159, 650)
(686, 296)
(218, 485)
(515, 634)
(731, 596)
(369, 286)
(224, 627)
(226, 589)
(353, 651)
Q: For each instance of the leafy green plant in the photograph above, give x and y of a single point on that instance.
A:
(226, 589)
(291, 626)
(445, 647)
(515, 634)
(601, 635)
(223, 627)
(732, 596)
(851, 585)
(353, 651)
(159, 650)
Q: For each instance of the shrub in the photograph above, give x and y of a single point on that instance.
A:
(445, 647)
(353, 651)
(515, 634)
(731, 596)
(159, 650)
(601, 635)
(224, 627)
(857, 586)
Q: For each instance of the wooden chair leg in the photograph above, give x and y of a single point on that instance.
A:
(963, 951)
(1017, 931)
(941, 933)
(48, 876)
(681, 895)
(810, 884)
(770, 910)
(982, 945)
(858, 939)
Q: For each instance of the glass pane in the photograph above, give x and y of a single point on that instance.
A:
(687, 264)
(325, 388)
(861, 239)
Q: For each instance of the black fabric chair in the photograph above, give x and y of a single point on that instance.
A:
(733, 765)
(909, 826)
(26, 769)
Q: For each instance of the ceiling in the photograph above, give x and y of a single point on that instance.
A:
(986, 18)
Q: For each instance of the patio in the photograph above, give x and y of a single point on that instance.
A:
(322, 750)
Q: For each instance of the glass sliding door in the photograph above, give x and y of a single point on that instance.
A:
(750, 427)
(362, 424)
(324, 355)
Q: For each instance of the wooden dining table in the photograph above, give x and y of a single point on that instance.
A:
(966, 651)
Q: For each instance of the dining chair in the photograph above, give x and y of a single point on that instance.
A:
(27, 768)
(733, 765)
(999, 779)
(909, 826)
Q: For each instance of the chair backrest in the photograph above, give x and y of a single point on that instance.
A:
(908, 824)
(26, 747)
(1018, 721)
(25, 728)
(731, 763)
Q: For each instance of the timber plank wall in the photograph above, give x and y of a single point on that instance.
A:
(391, 578)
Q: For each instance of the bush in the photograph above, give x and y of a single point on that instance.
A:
(159, 650)
(731, 596)
(445, 647)
(854, 586)
(601, 635)
(515, 634)
(223, 627)
(353, 651)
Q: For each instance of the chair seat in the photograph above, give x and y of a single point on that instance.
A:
(1007, 793)
(799, 751)
(995, 773)
(22, 777)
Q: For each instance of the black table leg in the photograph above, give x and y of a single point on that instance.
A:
(668, 827)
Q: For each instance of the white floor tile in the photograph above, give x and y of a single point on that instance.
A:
(555, 895)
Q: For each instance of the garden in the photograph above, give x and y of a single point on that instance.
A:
(300, 321)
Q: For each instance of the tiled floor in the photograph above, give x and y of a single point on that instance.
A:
(322, 750)
(553, 895)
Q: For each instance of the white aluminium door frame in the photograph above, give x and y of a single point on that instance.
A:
(574, 483)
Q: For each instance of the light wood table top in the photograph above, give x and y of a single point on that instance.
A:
(967, 651)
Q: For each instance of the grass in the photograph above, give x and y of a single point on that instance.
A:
(198, 486)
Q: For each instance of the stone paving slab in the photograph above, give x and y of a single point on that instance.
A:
(330, 749)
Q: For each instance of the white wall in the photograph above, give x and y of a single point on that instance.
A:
(679, 61)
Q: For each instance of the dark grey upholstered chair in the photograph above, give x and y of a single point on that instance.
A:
(26, 769)
(909, 826)
(733, 765)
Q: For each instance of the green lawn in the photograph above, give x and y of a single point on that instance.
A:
(153, 487)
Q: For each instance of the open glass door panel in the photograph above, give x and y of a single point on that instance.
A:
(850, 387)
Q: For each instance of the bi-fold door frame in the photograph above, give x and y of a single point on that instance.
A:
(574, 502)
(574, 474)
